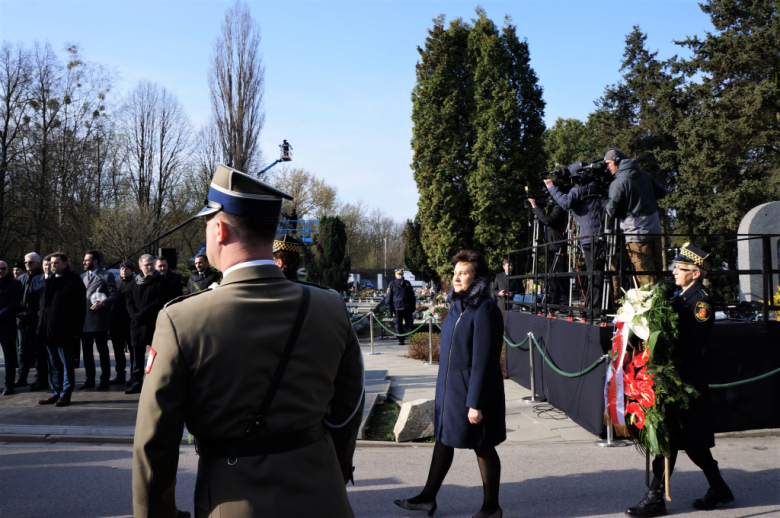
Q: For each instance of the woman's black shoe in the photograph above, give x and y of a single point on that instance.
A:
(498, 513)
(426, 506)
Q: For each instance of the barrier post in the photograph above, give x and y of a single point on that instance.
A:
(532, 398)
(610, 442)
(371, 326)
(430, 340)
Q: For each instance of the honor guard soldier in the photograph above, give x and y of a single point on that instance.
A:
(693, 305)
(287, 255)
(268, 378)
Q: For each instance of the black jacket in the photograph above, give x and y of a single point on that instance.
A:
(696, 319)
(120, 318)
(400, 296)
(554, 221)
(62, 309)
(173, 286)
(501, 283)
(201, 283)
(10, 300)
(144, 302)
(31, 292)
(585, 212)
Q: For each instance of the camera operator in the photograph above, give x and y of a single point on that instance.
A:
(632, 200)
(554, 221)
(585, 205)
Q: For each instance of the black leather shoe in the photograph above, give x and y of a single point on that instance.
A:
(102, 386)
(713, 498)
(20, 383)
(134, 390)
(427, 506)
(9, 391)
(49, 400)
(117, 380)
(498, 513)
(87, 385)
(36, 386)
(129, 383)
(651, 505)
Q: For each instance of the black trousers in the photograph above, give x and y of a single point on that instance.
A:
(594, 292)
(8, 343)
(701, 457)
(137, 364)
(403, 316)
(120, 342)
(556, 286)
(100, 338)
(41, 362)
(27, 357)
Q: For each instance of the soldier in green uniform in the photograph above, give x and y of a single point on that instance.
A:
(265, 373)
(693, 304)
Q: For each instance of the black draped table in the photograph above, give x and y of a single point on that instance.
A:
(737, 351)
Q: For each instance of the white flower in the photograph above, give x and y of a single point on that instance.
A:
(637, 302)
(214, 286)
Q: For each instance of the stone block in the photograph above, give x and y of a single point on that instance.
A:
(415, 421)
(763, 219)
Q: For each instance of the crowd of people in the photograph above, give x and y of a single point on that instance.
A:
(50, 316)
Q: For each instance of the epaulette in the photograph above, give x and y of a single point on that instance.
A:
(182, 297)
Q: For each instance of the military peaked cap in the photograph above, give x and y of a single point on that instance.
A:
(690, 254)
(241, 195)
(285, 242)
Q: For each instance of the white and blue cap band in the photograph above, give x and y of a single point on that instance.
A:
(228, 192)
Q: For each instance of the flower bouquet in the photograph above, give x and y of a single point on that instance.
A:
(643, 391)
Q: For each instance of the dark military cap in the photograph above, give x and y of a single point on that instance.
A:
(690, 254)
(241, 195)
(285, 242)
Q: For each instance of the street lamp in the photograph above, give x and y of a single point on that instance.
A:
(385, 255)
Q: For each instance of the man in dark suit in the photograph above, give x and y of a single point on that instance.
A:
(26, 321)
(172, 280)
(101, 295)
(119, 330)
(401, 302)
(60, 325)
(203, 276)
(503, 288)
(10, 299)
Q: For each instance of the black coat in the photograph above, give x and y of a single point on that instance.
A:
(554, 221)
(400, 296)
(31, 292)
(501, 283)
(470, 371)
(695, 322)
(120, 318)
(174, 287)
(197, 283)
(62, 309)
(144, 302)
(10, 300)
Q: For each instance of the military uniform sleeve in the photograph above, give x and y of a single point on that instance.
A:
(346, 408)
(160, 425)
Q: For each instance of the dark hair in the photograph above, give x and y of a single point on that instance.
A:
(253, 230)
(95, 255)
(203, 256)
(60, 255)
(505, 261)
(160, 258)
(476, 259)
(291, 261)
(47, 258)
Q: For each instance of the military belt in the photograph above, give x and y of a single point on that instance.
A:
(268, 445)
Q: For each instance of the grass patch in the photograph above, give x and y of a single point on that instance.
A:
(381, 423)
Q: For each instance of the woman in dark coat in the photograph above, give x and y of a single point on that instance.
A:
(470, 405)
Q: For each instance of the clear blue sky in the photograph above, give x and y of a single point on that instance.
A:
(339, 75)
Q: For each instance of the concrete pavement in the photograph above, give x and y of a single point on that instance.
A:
(66, 480)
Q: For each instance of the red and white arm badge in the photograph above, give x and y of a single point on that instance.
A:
(150, 360)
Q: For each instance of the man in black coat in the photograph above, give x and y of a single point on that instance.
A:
(504, 289)
(10, 299)
(400, 301)
(101, 296)
(60, 325)
(554, 221)
(27, 321)
(172, 280)
(148, 293)
(119, 330)
(693, 304)
(203, 276)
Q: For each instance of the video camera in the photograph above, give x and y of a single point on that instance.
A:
(541, 199)
(561, 178)
(596, 172)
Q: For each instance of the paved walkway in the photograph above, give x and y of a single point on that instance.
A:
(526, 423)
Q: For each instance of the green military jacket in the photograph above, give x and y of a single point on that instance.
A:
(214, 354)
